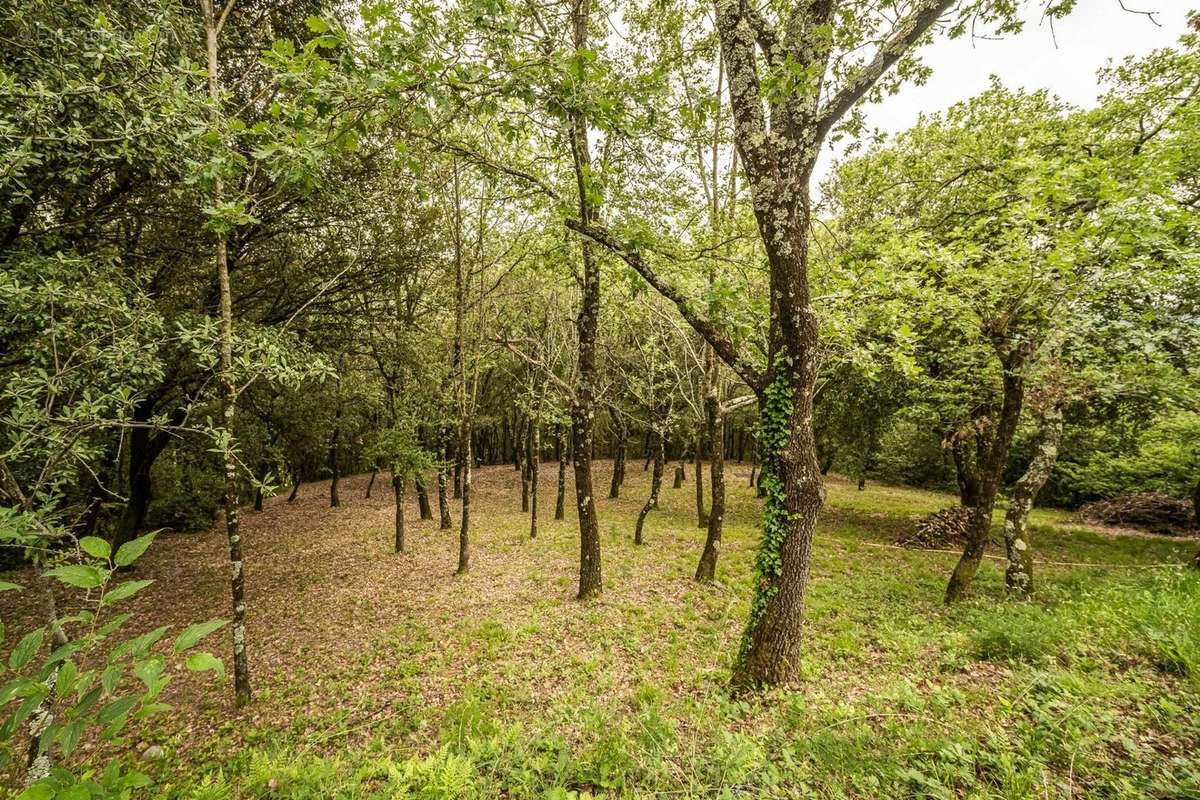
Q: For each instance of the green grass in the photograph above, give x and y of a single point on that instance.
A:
(1091, 690)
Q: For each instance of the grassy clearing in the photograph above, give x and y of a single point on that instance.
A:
(381, 676)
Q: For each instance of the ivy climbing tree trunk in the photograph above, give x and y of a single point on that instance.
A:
(213, 21)
(656, 479)
(1019, 575)
(778, 161)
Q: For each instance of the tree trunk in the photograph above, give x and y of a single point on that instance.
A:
(535, 473)
(560, 447)
(334, 501)
(994, 457)
(423, 498)
(706, 570)
(966, 474)
(241, 665)
(443, 503)
(679, 476)
(464, 527)
(371, 482)
(655, 486)
(144, 450)
(827, 464)
(398, 486)
(1019, 575)
(583, 407)
(523, 466)
(618, 473)
(701, 514)
(295, 490)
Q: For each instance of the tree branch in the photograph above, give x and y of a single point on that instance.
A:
(721, 344)
(904, 36)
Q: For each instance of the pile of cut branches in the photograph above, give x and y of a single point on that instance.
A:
(941, 530)
(1148, 511)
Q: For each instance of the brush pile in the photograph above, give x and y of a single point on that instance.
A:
(941, 530)
(1148, 511)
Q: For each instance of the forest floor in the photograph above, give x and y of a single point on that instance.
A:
(385, 675)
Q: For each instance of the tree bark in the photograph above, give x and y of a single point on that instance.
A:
(618, 473)
(423, 498)
(966, 475)
(398, 487)
(241, 665)
(656, 479)
(679, 476)
(560, 447)
(994, 458)
(1019, 575)
(523, 466)
(334, 500)
(535, 473)
(295, 490)
(706, 570)
(464, 527)
(371, 482)
(443, 503)
(701, 513)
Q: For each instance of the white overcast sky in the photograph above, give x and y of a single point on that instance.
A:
(1065, 63)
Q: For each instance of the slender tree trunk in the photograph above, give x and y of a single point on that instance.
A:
(706, 570)
(464, 526)
(38, 764)
(583, 407)
(992, 462)
(701, 513)
(371, 482)
(560, 446)
(334, 500)
(679, 476)
(423, 498)
(241, 665)
(523, 466)
(618, 474)
(443, 503)
(655, 486)
(535, 473)
(398, 487)
(295, 490)
(1019, 575)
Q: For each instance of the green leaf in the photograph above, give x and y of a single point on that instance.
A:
(41, 790)
(132, 551)
(194, 633)
(83, 576)
(200, 662)
(5, 586)
(95, 547)
(125, 590)
(25, 649)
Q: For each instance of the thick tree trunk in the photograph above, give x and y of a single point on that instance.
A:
(1019, 575)
(144, 450)
(656, 479)
(241, 665)
(423, 498)
(560, 448)
(994, 458)
(398, 486)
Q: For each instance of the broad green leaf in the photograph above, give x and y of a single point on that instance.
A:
(132, 551)
(83, 576)
(199, 662)
(5, 586)
(95, 547)
(194, 633)
(26, 649)
(42, 790)
(125, 590)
